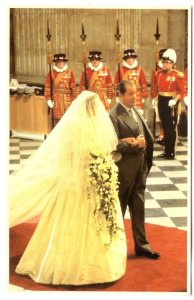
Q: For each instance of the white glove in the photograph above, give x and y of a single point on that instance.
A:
(186, 100)
(171, 102)
(143, 100)
(50, 103)
(141, 112)
(109, 101)
(154, 102)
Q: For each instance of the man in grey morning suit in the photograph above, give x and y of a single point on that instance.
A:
(136, 147)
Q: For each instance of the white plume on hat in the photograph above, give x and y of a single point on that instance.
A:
(170, 54)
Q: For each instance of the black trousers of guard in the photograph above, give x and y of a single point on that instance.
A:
(165, 113)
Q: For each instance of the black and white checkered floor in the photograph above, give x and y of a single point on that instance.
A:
(167, 185)
(166, 193)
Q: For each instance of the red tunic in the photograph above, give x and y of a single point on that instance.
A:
(64, 91)
(137, 76)
(99, 82)
(168, 84)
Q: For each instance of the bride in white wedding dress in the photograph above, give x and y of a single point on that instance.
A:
(71, 183)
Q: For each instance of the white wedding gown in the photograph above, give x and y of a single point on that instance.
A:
(66, 247)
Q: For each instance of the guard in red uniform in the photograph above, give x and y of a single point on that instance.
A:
(134, 73)
(159, 65)
(64, 87)
(169, 89)
(98, 79)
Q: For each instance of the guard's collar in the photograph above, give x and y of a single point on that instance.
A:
(98, 68)
(58, 70)
(134, 65)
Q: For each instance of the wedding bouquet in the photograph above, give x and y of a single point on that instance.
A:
(103, 174)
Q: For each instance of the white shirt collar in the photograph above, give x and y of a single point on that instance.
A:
(98, 68)
(134, 65)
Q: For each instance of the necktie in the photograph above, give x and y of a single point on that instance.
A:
(137, 120)
(130, 113)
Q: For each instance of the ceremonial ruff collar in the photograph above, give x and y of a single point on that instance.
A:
(58, 70)
(134, 65)
(98, 68)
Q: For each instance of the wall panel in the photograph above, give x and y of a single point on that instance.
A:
(137, 26)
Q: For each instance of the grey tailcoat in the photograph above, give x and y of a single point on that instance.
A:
(133, 170)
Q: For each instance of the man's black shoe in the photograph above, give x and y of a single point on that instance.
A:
(148, 253)
(159, 140)
(170, 156)
(163, 155)
(166, 156)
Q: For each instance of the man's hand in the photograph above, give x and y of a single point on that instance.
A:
(130, 140)
(186, 100)
(171, 102)
(50, 103)
(141, 143)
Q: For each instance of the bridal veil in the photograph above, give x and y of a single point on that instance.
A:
(62, 159)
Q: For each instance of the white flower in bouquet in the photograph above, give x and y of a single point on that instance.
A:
(103, 175)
